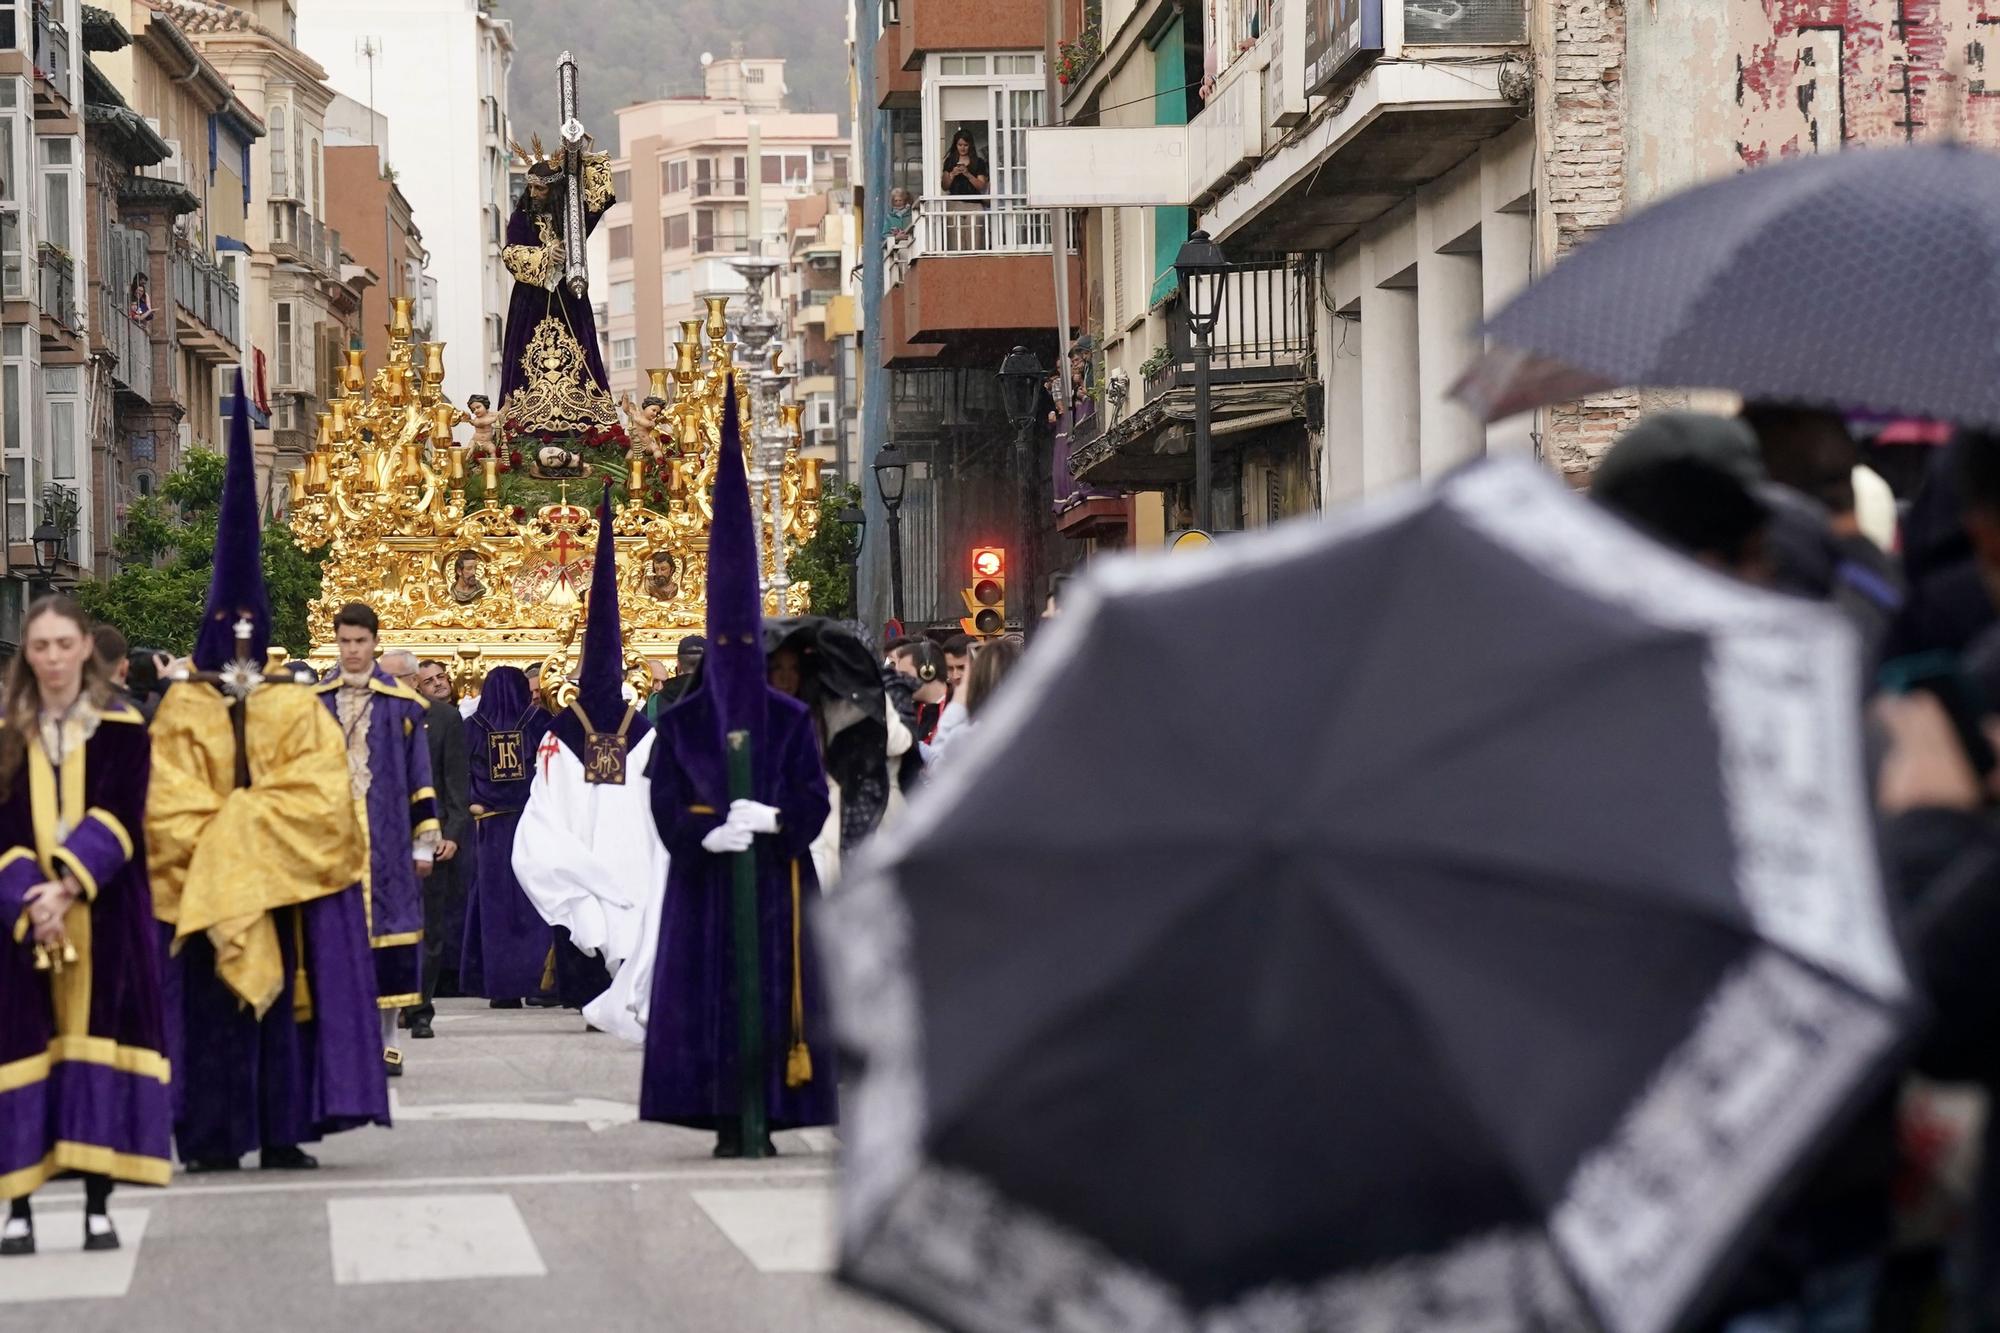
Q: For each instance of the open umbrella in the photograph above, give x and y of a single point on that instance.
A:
(1867, 279)
(1492, 968)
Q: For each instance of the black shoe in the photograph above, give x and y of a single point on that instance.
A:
(402, 1022)
(106, 1239)
(503, 1004)
(16, 1245)
(545, 1002)
(288, 1159)
(202, 1166)
(420, 1029)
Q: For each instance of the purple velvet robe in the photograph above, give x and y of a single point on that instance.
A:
(89, 1090)
(401, 805)
(530, 304)
(507, 943)
(691, 1041)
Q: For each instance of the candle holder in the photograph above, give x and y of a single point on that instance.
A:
(400, 326)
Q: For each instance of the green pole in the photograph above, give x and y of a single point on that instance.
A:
(749, 973)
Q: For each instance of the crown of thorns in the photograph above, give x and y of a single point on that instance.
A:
(528, 159)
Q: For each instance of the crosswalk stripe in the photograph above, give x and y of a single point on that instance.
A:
(778, 1230)
(430, 1238)
(59, 1270)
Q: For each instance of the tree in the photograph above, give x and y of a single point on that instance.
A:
(827, 561)
(165, 555)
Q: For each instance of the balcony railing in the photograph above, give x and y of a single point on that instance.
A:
(205, 292)
(52, 52)
(58, 290)
(1001, 225)
(721, 187)
(130, 341)
(297, 234)
(1262, 332)
(729, 243)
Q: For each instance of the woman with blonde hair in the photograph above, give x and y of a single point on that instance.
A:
(83, 1077)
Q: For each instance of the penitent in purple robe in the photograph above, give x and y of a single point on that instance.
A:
(507, 943)
(83, 1064)
(402, 805)
(691, 1039)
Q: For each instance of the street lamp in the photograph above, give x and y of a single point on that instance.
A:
(892, 472)
(854, 516)
(1202, 268)
(49, 543)
(1021, 378)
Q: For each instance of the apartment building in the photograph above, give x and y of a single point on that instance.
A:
(438, 71)
(685, 186)
(816, 295)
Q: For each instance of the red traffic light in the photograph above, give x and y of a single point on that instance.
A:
(989, 562)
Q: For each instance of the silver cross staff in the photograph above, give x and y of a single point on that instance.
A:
(576, 270)
(242, 675)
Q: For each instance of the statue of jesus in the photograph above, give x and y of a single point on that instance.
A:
(553, 387)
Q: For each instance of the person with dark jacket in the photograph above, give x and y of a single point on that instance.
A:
(444, 890)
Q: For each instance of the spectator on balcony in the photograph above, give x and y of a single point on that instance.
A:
(140, 303)
(965, 171)
(901, 217)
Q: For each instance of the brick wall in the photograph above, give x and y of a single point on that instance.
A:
(1580, 95)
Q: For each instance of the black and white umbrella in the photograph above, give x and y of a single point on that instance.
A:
(1463, 916)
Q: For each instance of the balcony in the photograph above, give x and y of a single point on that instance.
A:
(894, 85)
(130, 342)
(207, 307)
(490, 121)
(932, 25)
(973, 278)
(299, 237)
(722, 187)
(1260, 365)
(57, 275)
(53, 58)
(722, 243)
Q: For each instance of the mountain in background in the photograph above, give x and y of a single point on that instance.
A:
(636, 50)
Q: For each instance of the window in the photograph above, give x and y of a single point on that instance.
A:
(798, 169)
(678, 289)
(677, 232)
(677, 175)
(621, 184)
(621, 242)
(285, 354)
(317, 210)
(624, 353)
(58, 210)
(143, 483)
(621, 298)
(62, 385)
(280, 181)
(19, 465)
(774, 168)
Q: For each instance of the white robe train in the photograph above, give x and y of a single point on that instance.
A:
(590, 859)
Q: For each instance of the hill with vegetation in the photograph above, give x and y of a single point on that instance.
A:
(634, 50)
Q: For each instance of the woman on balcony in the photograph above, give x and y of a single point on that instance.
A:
(140, 303)
(966, 180)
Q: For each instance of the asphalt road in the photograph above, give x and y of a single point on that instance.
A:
(517, 1191)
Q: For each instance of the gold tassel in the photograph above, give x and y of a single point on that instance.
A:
(799, 1063)
(302, 1000)
(549, 970)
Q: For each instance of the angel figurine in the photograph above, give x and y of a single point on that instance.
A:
(485, 426)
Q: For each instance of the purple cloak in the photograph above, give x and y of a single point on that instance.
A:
(507, 943)
(84, 1082)
(691, 1041)
(401, 805)
(530, 304)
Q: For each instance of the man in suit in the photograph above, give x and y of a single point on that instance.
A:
(444, 891)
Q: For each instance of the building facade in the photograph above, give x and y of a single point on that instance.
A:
(438, 70)
(816, 296)
(378, 227)
(684, 186)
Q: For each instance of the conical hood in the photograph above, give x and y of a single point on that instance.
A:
(733, 670)
(236, 581)
(600, 677)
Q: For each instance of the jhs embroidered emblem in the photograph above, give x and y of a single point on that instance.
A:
(604, 758)
(505, 760)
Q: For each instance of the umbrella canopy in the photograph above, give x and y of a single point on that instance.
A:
(1495, 980)
(1865, 280)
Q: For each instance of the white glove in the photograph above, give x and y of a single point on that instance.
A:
(728, 838)
(752, 817)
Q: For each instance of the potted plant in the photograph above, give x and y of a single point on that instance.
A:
(1076, 56)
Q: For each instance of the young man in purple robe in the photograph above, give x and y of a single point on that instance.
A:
(389, 773)
(693, 1074)
(256, 869)
(507, 944)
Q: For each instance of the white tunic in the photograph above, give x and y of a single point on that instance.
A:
(590, 859)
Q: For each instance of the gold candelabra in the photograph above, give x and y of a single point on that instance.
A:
(486, 584)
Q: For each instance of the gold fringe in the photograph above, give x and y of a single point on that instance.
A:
(549, 970)
(302, 1000)
(799, 1063)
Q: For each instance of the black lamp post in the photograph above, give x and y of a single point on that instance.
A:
(50, 545)
(1021, 378)
(892, 472)
(853, 515)
(1203, 268)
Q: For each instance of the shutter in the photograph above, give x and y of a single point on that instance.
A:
(1116, 324)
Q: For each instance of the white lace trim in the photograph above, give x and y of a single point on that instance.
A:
(1778, 1050)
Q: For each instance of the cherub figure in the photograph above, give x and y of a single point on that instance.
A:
(485, 426)
(644, 426)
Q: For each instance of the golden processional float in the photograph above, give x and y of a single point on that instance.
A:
(471, 555)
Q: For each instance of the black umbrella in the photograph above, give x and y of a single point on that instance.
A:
(1867, 279)
(1490, 966)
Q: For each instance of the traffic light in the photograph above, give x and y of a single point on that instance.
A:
(986, 599)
